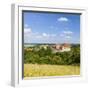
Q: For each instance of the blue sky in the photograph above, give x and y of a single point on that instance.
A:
(41, 27)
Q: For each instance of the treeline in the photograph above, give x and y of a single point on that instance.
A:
(45, 56)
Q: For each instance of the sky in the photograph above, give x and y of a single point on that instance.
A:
(46, 27)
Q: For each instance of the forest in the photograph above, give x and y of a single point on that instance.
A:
(45, 56)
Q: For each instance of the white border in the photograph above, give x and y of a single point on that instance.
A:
(16, 68)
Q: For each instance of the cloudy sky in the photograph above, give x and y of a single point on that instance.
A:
(41, 27)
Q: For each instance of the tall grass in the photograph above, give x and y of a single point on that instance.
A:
(36, 70)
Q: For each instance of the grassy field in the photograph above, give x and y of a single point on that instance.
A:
(36, 70)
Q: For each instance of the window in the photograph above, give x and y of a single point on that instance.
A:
(46, 43)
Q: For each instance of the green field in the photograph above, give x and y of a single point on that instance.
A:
(37, 70)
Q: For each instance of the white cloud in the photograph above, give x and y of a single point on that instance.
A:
(68, 37)
(30, 36)
(63, 19)
(48, 35)
(68, 32)
(27, 30)
(45, 34)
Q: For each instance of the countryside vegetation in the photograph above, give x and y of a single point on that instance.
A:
(43, 62)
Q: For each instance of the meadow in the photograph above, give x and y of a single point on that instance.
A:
(37, 70)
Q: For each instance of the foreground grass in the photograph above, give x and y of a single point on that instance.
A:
(36, 70)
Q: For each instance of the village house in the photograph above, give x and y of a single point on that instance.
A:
(61, 48)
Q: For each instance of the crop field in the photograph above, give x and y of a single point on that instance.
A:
(37, 70)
